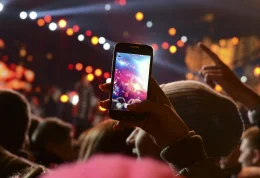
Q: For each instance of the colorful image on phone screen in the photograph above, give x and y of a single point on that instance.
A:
(131, 78)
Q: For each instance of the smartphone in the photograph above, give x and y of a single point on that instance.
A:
(130, 79)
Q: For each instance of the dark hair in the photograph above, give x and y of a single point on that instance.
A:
(15, 119)
(35, 121)
(51, 130)
(103, 139)
(253, 136)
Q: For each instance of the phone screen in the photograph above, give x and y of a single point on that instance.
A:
(131, 78)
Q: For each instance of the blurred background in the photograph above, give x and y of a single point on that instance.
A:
(47, 46)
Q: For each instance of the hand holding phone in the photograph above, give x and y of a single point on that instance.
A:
(131, 72)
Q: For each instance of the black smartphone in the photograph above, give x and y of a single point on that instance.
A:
(131, 73)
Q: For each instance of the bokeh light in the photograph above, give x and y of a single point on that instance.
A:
(101, 40)
(218, 88)
(64, 98)
(47, 19)
(89, 69)
(107, 7)
(180, 43)
(69, 31)
(102, 109)
(88, 33)
(98, 72)
(62, 23)
(139, 16)
(29, 75)
(29, 58)
(173, 49)
(172, 31)
(106, 75)
(94, 40)
(149, 24)
(76, 28)
(70, 66)
(23, 52)
(2, 44)
(243, 79)
(49, 56)
(33, 15)
(122, 2)
(53, 26)
(189, 76)
(78, 66)
(165, 45)
(23, 15)
(108, 80)
(155, 47)
(41, 22)
(257, 71)
(1, 7)
(106, 46)
(90, 77)
(184, 39)
(81, 37)
(235, 41)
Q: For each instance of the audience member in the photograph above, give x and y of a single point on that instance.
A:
(53, 142)
(15, 120)
(35, 121)
(102, 139)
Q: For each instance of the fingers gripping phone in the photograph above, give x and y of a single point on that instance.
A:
(131, 73)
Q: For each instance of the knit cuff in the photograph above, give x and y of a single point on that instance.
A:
(185, 152)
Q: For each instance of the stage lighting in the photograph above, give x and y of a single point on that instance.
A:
(106, 46)
(180, 43)
(243, 79)
(184, 39)
(64, 98)
(75, 100)
(107, 7)
(257, 71)
(90, 77)
(47, 19)
(53, 26)
(70, 67)
(173, 49)
(69, 31)
(94, 40)
(33, 15)
(139, 16)
(89, 69)
(108, 80)
(155, 47)
(1, 7)
(235, 41)
(165, 45)
(23, 15)
(101, 40)
(76, 28)
(79, 66)
(106, 75)
(218, 88)
(172, 31)
(62, 23)
(81, 37)
(88, 33)
(98, 72)
(40, 22)
(149, 24)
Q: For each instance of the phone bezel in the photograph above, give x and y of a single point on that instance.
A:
(132, 49)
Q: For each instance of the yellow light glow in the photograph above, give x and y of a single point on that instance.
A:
(257, 71)
(102, 109)
(90, 77)
(98, 72)
(62, 23)
(64, 98)
(218, 88)
(70, 32)
(173, 49)
(139, 16)
(94, 40)
(235, 41)
(172, 31)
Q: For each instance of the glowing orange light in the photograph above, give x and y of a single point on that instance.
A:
(49, 56)
(79, 66)
(88, 33)
(94, 40)
(172, 31)
(90, 77)
(76, 28)
(165, 45)
(173, 49)
(139, 16)
(23, 52)
(102, 109)
(218, 88)
(62, 23)
(29, 58)
(180, 43)
(70, 32)
(40, 22)
(155, 47)
(29, 75)
(257, 72)
(37, 89)
(47, 18)
(64, 98)
(70, 67)
(189, 76)
(89, 69)
(106, 75)
(98, 72)
(235, 41)
(2, 44)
